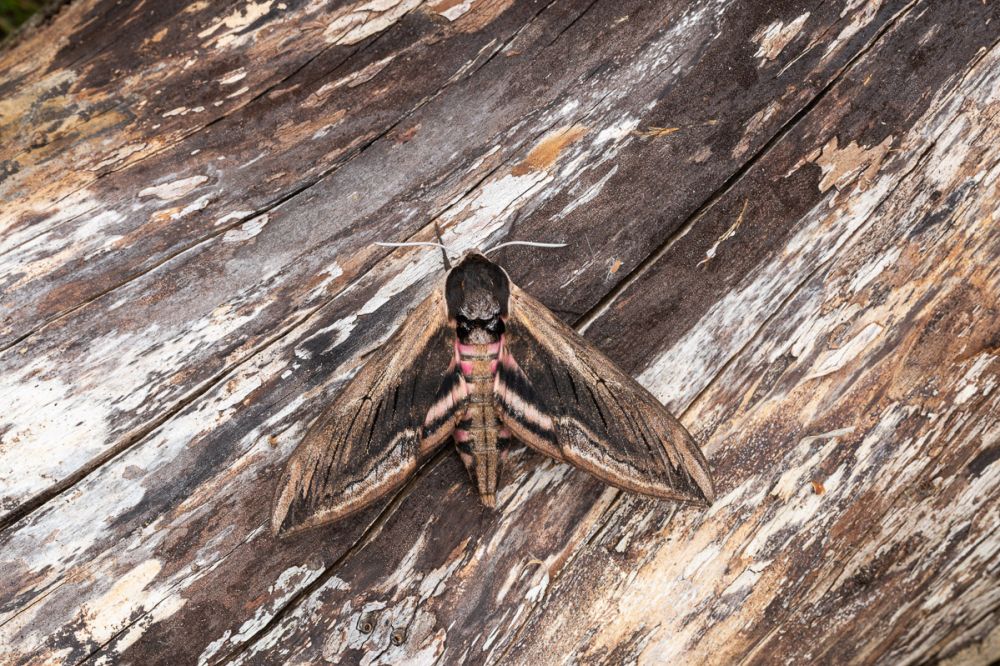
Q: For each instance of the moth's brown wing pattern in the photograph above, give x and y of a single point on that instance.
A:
(561, 396)
(373, 436)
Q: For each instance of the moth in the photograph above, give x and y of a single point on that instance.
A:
(482, 362)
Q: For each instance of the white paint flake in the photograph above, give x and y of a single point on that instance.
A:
(362, 20)
(229, 31)
(247, 230)
(774, 38)
(173, 189)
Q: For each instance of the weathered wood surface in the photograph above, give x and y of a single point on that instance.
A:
(806, 270)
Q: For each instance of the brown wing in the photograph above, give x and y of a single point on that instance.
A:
(392, 414)
(561, 396)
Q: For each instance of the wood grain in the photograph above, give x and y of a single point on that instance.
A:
(782, 220)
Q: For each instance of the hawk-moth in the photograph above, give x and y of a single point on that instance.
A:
(485, 363)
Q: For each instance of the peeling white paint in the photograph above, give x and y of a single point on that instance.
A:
(234, 215)
(874, 268)
(182, 111)
(43, 253)
(364, 19)
(819, 235)
(862, 12)
(833, 360)
(229, 31)
(773, 38)
(173, 189)
(354, 79)
(247, 230)
(105, 616)
(284, 588)
(540, 584)
(196, 205)
(235, 76)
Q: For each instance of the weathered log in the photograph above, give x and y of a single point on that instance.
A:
(782, 219)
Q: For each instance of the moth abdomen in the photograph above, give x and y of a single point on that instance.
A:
(479, 432)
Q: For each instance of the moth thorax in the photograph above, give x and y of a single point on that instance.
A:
(480, 304)
(479, 331)
(480, 336)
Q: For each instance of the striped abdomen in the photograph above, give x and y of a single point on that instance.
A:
(480, 436)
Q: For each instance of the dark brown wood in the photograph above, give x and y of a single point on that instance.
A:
(782, 220)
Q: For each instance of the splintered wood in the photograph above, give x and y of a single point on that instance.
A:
(783, 220)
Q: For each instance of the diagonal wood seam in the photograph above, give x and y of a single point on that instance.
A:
(730, 183)
(571, 24)
(604, 304)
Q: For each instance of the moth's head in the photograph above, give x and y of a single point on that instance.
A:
(477, 291)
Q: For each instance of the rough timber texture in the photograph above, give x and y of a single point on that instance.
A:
(783, 218)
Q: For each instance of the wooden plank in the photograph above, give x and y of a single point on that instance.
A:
(881, 282)
(198, 578)
(285, 275)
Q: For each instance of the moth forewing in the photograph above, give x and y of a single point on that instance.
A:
(605, 422)
(371, 438)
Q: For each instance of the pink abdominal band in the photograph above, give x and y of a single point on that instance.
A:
(471, 350)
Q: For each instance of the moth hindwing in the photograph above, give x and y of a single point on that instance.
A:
(484, 362)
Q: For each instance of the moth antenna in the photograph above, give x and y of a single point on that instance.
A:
(444, 251)
(531, 243)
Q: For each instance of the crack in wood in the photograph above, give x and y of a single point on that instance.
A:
(605, 303)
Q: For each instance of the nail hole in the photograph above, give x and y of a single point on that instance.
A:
(398, 636)
(366, 623)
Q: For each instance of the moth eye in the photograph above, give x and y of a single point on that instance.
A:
(398, 636)
(366, 623)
